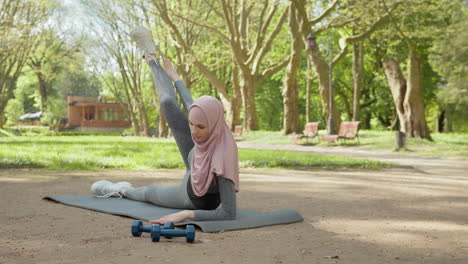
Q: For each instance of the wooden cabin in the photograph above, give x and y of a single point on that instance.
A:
(97, 114)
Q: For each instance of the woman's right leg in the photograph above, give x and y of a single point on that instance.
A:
(176, 119)
(175, 196)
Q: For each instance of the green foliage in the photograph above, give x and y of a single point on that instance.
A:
(436, 29)
(64, 73)
(56, 111)
(75, 79)
(31, 130)
(269, 102)
(425, 27)
(449, 57)
(7, 133)
(13, 111)
(98, 152)
(76, 133)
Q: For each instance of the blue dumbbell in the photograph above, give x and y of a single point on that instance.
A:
(138, 228)
(188, 233)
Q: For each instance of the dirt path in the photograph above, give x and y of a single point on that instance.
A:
(398, 215)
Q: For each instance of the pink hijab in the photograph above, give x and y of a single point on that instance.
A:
(218, 154)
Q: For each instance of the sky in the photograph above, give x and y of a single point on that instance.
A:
(74, 12)
(75, 16)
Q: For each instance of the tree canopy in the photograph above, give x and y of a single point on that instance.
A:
(391, 64)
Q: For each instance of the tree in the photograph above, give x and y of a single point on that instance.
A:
(50, 55)
(248, 53)
(358, 72)
(18, 21)
(412, 36)
(449, 57)
(322, 22)
(249, 31)
(13, 110)
(117, 22)
(290, 94)
(186, 36)
(190, 48)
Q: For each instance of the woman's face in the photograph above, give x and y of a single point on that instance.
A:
(199, 129)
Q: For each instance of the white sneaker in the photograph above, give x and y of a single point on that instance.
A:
(144, 41)
(104, 189)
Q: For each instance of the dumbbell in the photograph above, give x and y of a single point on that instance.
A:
(138, 228)
(188, 233)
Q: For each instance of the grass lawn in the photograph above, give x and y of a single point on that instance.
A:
(117, 152)
(443, 145)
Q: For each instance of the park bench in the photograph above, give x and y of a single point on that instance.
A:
(310, 131)
(348, 131)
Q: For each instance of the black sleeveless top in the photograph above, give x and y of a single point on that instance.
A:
(210, 201)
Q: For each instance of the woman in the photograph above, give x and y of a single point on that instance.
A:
(208, 190)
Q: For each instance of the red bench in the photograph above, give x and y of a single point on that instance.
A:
(348, 130)
(310, 131)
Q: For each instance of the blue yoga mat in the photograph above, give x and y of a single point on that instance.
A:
(146, 211)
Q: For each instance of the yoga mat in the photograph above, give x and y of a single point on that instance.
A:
(146, 211)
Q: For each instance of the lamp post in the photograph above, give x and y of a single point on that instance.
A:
(310, 44)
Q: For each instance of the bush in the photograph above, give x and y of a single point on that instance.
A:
(31, 130)
(7, 133)
(13, 111)
(77, 133)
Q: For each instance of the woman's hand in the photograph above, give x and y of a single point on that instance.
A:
(171, 72)
(176, 217)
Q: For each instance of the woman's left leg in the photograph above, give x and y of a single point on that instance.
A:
(175, 196)
(176, 119)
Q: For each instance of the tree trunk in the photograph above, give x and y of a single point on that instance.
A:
(249, 59)
(7, 85)
(163, 131)
(133, 118)
(323, 76)
(142, 114)
(358, 69)
(3, 101)
(415, 117)
(233, 116)
(216, 82)
(347, 106)
(290, 93)
(130, 73)
(248, 97)
(2, 117)
(397, 83)
(291, 99)
(394, 125)
(448, 122)
(408, 96)
(43, 91)
(160, 122)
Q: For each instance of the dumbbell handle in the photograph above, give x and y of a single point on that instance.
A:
(173, 233)
(146, 228)
(138, 228)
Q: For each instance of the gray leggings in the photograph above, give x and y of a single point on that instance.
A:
(170, 196)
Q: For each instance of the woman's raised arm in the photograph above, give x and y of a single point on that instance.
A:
(179, 84)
